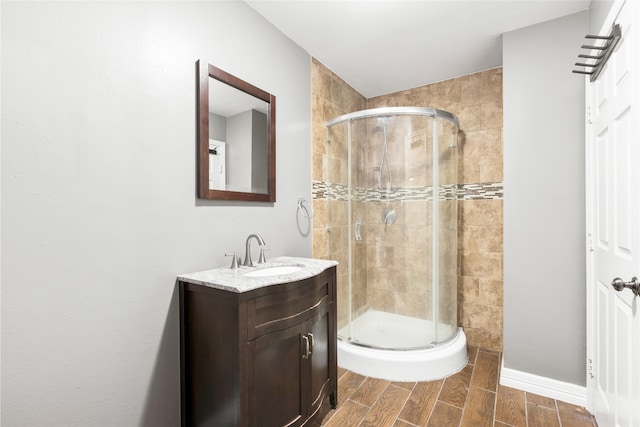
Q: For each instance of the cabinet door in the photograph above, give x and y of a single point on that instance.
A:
(278, 378)
(319, 374)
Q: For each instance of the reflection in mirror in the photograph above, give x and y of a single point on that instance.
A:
(217, 165)
(236, 138)
(238, 122)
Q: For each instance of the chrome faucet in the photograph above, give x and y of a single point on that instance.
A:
(247, 253)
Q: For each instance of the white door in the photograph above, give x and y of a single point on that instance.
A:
(613, 221)
(217, 165)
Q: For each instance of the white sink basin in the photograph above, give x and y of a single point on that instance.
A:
(278, 270)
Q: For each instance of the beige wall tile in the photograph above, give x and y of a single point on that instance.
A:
(468, 289)
(480, 316)
(484, 339)
(470, 117)
(320, 211)
(381, 299)
(491, 115)
(319, 167)
(480, 212)
(490, 169)
(490, 292)
(338, 210)
(480, 143)
(446, 95)
(481, 88)
(419, 284)
(319, 133)
(481, 238)
(487, 265)
(469, 171)
(320, 246)
(416, 212)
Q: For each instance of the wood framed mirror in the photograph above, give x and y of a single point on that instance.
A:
(236, 138)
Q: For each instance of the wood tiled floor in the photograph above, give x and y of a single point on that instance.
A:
(470, 398)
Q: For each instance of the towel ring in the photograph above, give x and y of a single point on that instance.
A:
(305, 208)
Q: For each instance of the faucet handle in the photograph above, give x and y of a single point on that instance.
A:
(234, 260)
(262, 258)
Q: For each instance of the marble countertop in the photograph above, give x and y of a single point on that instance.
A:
(234, 280)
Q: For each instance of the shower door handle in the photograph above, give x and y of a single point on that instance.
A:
(357, 230)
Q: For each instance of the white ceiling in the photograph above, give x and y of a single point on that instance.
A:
(383, 46)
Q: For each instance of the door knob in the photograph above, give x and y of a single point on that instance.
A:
(619, 284)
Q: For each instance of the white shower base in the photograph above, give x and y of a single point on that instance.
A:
(400, 365)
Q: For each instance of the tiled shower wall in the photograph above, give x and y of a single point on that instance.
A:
(477, 101)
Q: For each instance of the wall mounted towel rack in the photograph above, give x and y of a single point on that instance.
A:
(601, 54)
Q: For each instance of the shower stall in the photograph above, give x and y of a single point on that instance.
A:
(391, 183)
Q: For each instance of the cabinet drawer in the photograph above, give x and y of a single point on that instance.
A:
(286, 305)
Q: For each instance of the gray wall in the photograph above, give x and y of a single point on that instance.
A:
(544, 224)
(259, 152)
(217, 127)
(238, 148)
(99, 209)
(598, 11)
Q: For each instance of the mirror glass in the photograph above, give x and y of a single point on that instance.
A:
(236, 138)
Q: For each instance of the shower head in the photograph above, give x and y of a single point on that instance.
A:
(389, 216)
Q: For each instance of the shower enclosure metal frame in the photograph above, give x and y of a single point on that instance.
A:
(391, 112)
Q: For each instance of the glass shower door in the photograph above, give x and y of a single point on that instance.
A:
(446, 322)
(393, 217)
(337, 162)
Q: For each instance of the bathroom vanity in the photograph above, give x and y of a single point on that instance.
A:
(258, 344)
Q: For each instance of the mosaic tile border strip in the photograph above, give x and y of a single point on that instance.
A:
(485, 191)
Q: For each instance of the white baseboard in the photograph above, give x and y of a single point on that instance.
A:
(554, 389)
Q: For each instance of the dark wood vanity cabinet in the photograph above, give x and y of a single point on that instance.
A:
(265, 357)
